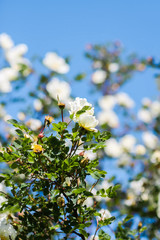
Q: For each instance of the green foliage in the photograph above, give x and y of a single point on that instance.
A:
(48, 181)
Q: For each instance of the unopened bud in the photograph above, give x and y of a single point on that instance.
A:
(61, 105)
(41, 135)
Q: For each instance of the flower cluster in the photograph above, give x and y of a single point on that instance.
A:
(82, 112)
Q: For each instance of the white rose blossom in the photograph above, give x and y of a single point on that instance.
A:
(107, 102)
(124, 100)
(99, 76)
(34, 124)
(113, 148)
(155, 109)
(37, 105)
(6, 41)
(155, 157)
(86, 119)
(113, 67)
(55, 63)
(57, 88)
(88, 122)
(145, 115)
(150, 140)
(105, 214)
(127, 142)
(7, 231)
(109, 117)
(140, 150)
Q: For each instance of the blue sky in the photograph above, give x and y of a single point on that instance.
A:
(66, 26)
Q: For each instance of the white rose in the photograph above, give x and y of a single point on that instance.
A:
(21, 116)
(140, 150)
(55, 63)
(155, 108)
(99, 76)
(15, 54)
(113, 148)
(113, 67)
(124, 160)
(7, 231)
(77, 105)
(155, 157)
(127, 142)
(145, 115)
(105, 214)
(57, 88)
(37, 105)
(88, 122)
(124, 100)
(150, 140)
(6, 41)
(34, 124)
(109, 117)
(107, 102)
(146, 102)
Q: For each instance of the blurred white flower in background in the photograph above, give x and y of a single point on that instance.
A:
(145, 115)
(37, 105)
(139, 150)
(107, 102)
(60, 89)
(124, 100)
(155, 157)
(105, 214)
(15, 58)
(127, 142)
(21, 116)
(34, 124)
(6, 41)
(89, 202)
(55, 63)
(113, 67)
(137, 187)
(155, 108)
(99, 76)
(124, 160)
(6, 75)
(113, 148)
(150, 140)
(146, 102)
(109, 117)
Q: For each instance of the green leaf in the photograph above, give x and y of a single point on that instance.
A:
(127, 218)
(103, 236)
(111, 191)
(142, 229)
(80, 76)
(78, 191)
(83, 110)
(12, 121)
